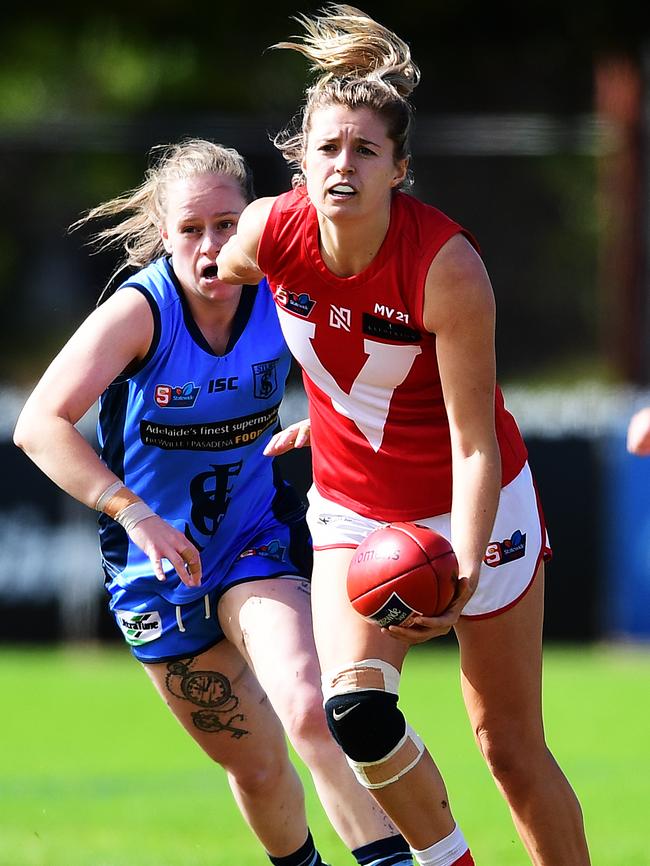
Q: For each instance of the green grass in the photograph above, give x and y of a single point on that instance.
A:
(95, 772)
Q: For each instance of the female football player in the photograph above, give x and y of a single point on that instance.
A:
(204, 546)
(386, 304)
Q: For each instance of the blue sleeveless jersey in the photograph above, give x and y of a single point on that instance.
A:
(186, 431)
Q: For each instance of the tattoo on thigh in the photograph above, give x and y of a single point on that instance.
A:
(209, 690)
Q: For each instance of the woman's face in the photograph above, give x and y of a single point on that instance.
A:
(349, 163)
(202, 213)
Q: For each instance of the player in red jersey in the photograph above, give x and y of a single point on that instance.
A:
(386, 304)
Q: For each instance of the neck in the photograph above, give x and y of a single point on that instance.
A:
(215, 318)
(348, 247)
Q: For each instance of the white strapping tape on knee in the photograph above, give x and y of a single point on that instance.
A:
(368, 674)
(405, 755)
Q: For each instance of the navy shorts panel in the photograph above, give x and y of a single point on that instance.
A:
(158, 630)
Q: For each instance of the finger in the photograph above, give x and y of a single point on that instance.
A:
(278, 444)
(302, 437)
(192, 562)
(158, 569)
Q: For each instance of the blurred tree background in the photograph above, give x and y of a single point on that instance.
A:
(531, 130)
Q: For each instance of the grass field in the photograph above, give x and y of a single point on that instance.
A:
(95, 772)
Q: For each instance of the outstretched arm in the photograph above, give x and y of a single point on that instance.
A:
(237, 259)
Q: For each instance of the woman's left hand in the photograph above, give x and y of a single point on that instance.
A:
(296, 435)
(423, 628)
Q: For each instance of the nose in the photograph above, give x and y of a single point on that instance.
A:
(343, 162)
(210, 243)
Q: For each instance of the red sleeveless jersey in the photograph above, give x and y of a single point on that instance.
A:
(379, 429)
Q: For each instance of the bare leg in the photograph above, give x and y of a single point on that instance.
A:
(501, 676)
(270, 623)
(220, 703)
(417, 803)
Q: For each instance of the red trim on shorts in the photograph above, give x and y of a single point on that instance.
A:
(544, 555)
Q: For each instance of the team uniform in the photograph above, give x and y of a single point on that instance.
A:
(379, 428)
(186, 431)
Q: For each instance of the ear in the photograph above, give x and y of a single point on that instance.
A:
(164, 236)
(401, 170)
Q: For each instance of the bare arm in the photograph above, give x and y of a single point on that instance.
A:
(112, 337)
(237, 259)
(459, 308)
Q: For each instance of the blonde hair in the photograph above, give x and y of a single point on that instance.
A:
(144, 208)
(362, 65)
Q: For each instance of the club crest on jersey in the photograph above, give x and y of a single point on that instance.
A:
(176, 396)
(272, 550)
(301, 304)
(501, 552)
(265, 379)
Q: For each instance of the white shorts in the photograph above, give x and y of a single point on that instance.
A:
(518, 541)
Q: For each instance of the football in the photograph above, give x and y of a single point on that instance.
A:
(401, 570)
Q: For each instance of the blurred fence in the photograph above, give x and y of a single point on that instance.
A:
(596, 499)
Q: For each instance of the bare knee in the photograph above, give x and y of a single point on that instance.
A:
(511, 754)
(260, 775)
(306, 726)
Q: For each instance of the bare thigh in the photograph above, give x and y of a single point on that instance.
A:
(342, 635)
(269, 621)
(501, 668)
(219, 702)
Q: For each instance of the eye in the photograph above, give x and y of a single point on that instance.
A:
(188, 230)
(327, 148)
(366, 151)
(226, 225)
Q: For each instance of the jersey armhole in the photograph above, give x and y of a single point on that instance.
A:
(136, 367)
(451, 230)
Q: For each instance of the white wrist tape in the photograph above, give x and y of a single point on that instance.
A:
(110, 491)
(132, 515)
(123, 505)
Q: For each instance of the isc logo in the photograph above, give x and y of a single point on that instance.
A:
(229, 383)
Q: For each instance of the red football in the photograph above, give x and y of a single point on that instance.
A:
(400, 570)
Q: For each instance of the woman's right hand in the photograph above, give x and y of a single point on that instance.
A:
(159, 540)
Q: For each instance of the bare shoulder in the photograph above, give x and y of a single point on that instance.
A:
(256, 214)
(457, 285)
(125, 319)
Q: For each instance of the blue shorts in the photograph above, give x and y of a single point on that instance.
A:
(159, 631)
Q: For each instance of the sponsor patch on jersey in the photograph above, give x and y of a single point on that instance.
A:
(340, 317)
(209, 436)
(272, 550)
(176, 396)
(502, 552)
(265, 379)
(374, 326)
(301, 304)
(139, 628)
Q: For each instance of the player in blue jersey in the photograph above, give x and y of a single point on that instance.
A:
(204, 546)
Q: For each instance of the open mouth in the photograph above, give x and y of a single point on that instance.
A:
(342, 190)
(211, 272)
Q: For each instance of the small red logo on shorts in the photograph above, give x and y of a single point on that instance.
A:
(500, 552)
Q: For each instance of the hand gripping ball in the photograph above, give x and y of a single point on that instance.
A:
(400, 570)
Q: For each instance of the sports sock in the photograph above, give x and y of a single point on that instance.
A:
(306, 855)
(391, 851)
(450, 851)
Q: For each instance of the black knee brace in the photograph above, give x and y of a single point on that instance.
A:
(367, 725)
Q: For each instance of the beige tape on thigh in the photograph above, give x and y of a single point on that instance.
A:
(376, 675)
(405, 755)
